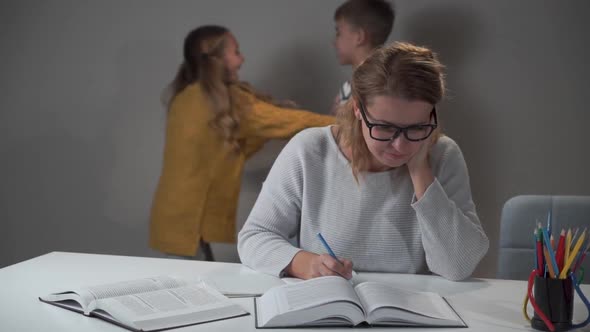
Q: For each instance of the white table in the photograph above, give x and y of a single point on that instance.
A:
(484, 304)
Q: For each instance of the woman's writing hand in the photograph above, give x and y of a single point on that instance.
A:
(306, 265)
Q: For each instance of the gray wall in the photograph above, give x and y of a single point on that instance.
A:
(82, 126)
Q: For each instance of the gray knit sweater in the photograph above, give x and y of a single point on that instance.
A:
(376, 223)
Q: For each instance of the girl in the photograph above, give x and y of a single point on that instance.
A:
(214, 124)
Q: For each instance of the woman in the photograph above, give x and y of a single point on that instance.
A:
(383, 187)
(214, 124)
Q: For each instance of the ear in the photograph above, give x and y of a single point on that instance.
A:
(361, 37)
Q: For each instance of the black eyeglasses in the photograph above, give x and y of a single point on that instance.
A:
(383, 132)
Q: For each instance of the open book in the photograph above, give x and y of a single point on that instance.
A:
(333, 301)
(149, 304)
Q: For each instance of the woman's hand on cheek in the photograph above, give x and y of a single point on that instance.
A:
(419, 168)
(419, 161)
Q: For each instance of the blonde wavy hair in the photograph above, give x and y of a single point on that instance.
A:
(399, 70)
(203, 62)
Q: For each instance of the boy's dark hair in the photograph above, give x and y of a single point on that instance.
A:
(374, 16)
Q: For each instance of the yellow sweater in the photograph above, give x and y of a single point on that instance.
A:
(197, 196)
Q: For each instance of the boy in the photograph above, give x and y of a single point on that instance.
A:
(361, 26)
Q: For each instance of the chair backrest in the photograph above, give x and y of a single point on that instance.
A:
(520, 214)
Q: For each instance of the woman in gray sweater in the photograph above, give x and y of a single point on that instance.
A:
(384, 187)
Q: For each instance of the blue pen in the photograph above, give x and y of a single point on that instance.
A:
(327, 247)
(330, 250)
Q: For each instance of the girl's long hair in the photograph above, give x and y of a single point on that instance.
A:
(203, 62)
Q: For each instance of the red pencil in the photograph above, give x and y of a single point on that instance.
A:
(540, 263)
(560, 250)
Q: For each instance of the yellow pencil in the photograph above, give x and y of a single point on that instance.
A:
(568, 244)
(573, 255)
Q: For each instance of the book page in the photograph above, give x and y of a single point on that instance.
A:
(304, 295)
(291, 280)
(134, 287)
(150, 309)
(375, 295)
(70, 300)
(316, 291)
(88, 295)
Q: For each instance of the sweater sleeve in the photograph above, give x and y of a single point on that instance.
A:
(269, 121)
(453, 238)
(263, 242)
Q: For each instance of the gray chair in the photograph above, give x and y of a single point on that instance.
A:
(519, 217)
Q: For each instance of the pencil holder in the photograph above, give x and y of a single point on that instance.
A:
(555, 298)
